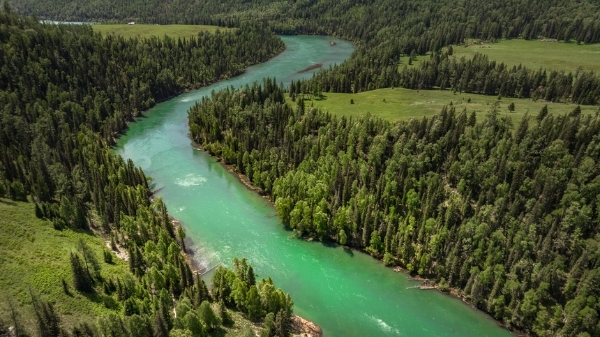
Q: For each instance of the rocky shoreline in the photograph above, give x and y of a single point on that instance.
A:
(301, 327)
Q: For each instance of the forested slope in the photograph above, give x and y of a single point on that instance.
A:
(369, 21)
(507, 216)
(65, 93)
(386, 31)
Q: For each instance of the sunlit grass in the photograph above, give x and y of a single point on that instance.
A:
(142, 31)
(34, 257)
(537, 54)
(401, 104)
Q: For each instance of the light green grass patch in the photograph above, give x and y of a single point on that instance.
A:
(537, 54)
(143, 31)
(240, 326)
(401, 104)
(35, 257)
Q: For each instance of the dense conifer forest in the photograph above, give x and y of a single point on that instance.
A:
(65, 93)
(388, 31)
(508, 215)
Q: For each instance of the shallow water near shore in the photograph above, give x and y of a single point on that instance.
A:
(345, 292)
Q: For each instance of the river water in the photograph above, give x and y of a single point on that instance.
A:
(346, 292)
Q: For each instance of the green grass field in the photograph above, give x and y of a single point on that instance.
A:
(142, 31)
(34, 256)
(398, 104)
(536, 53)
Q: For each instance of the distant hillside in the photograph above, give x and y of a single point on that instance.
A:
(385, 30)
(447, 21)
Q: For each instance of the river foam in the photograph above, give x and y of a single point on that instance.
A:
(385, 327)
(190, 179)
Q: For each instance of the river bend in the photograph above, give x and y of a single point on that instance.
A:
(347, 293)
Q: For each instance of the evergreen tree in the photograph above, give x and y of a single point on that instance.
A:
(81, 278)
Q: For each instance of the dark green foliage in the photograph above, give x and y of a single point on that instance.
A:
(250, 277)
(44, 95)
(90, 260)
(253, 304)
(108, 257)
(207, 315)
(84, 330)
(160, 326)
(510, 219)
(139, 325)
(282, 323)
(511, 107)
(223, 315)
(82, 280)
(193, 324)
(422, 24)
(65, 93)
(48, 322)
(268, 326)
(238, 288)
(389, 33)
(477, 75)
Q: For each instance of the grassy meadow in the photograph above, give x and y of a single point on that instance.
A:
(398, 104)
(142, 31)
(401, 104)
(537, 54)
(35, 257)
(533, 54)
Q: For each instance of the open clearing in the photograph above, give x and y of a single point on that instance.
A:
(537, 54)
(142, 31)
(35, 257)
(400, 104)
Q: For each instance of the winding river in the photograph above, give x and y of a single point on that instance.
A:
(347, 293)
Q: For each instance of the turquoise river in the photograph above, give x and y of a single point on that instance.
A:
(345, 292)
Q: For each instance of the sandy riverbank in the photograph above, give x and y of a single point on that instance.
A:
(312, 67)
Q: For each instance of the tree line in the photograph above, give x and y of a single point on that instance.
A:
(385, 31)
(65, 93)
(371, 21)
(443, 71)
(507, 215)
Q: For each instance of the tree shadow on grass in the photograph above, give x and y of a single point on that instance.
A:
(108, 301)
(218, 332)
(7, 202)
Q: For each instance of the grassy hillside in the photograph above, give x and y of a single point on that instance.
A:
(397, 104)
(537, 54)
(34, 256)
(141, 31)
(533, 54)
